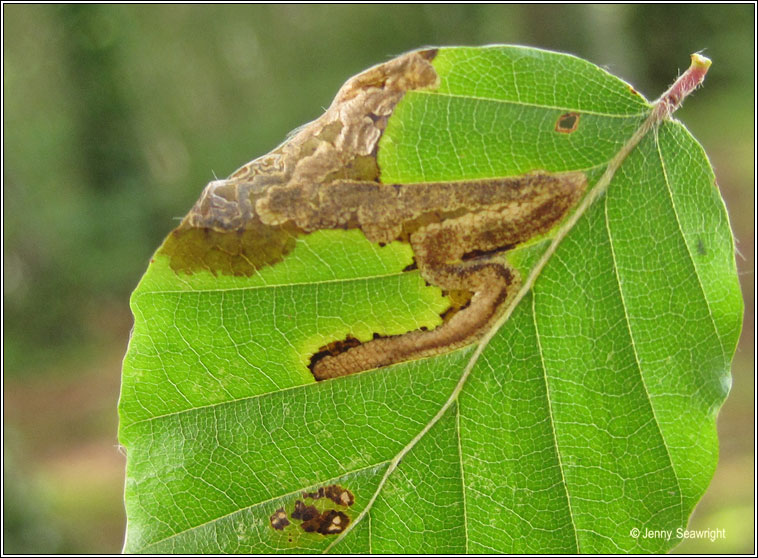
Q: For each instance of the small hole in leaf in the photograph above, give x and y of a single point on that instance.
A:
(567, 122)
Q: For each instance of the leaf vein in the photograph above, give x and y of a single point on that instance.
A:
(535, 105)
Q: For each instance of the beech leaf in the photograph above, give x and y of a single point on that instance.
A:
(586, 411)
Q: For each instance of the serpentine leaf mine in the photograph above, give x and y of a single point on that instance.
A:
(326, 176)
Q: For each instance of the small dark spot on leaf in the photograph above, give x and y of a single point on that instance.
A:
(701, 249)
(428, 54)
(567, 122)
(633, 91)
(411, 266)
(279, 519)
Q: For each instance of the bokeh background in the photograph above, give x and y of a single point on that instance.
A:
(115, 117)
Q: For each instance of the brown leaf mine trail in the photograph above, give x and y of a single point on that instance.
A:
(326, 176)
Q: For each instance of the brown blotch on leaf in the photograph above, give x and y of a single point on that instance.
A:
(279, 519)
(325, 177)
(331, 522)
(336, 493)
(339, 495)
(303, 512)
(401, 74)
(456, 331)
(328, 522)
(234, 252)
(251, 219)
(360, 168)
(567, 122)
(460, 233)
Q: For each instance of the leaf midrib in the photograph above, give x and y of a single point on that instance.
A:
(612, 165)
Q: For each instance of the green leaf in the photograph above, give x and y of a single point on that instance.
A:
(589, 413)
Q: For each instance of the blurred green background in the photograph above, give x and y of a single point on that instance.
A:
(115, 117)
